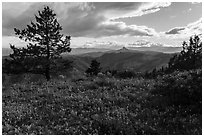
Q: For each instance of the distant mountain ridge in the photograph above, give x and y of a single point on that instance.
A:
(74, 51)
(122, 59)
(95, 52)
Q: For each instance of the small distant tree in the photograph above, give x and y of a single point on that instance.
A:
(46, 43)
(189, 58)
(94, 68)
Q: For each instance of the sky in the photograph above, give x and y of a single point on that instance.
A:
(111, 24)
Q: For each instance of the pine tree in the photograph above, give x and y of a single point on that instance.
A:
(189, 58)
(46, 43)
(94, 68)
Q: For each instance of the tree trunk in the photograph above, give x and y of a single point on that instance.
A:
(47, 73)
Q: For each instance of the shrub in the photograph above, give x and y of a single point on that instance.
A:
(104, 82)
(125, 74)
(111, 72)
(180, 88)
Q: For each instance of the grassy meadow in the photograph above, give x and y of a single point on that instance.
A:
(105, 105)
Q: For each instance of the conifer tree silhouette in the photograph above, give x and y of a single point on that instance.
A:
(46, 43)
(94, 68)
(189, 58)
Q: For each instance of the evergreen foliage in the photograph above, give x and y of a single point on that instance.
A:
(189, 58)
(94, 68)
(46, 43)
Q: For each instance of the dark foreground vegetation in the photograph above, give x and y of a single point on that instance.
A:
(170, 104)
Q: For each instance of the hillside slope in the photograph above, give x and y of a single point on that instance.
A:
(137, 61)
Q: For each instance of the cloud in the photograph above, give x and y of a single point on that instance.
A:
(117, 45)
(146, 43)
(148, 8)
(189, 30)
(18, 15)
(174, 30)
(7, 40)
(84, 19)
(193, 28)
(196, 2)
(125, 10)
(103, 44)
(120, 28)
(140, 43)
